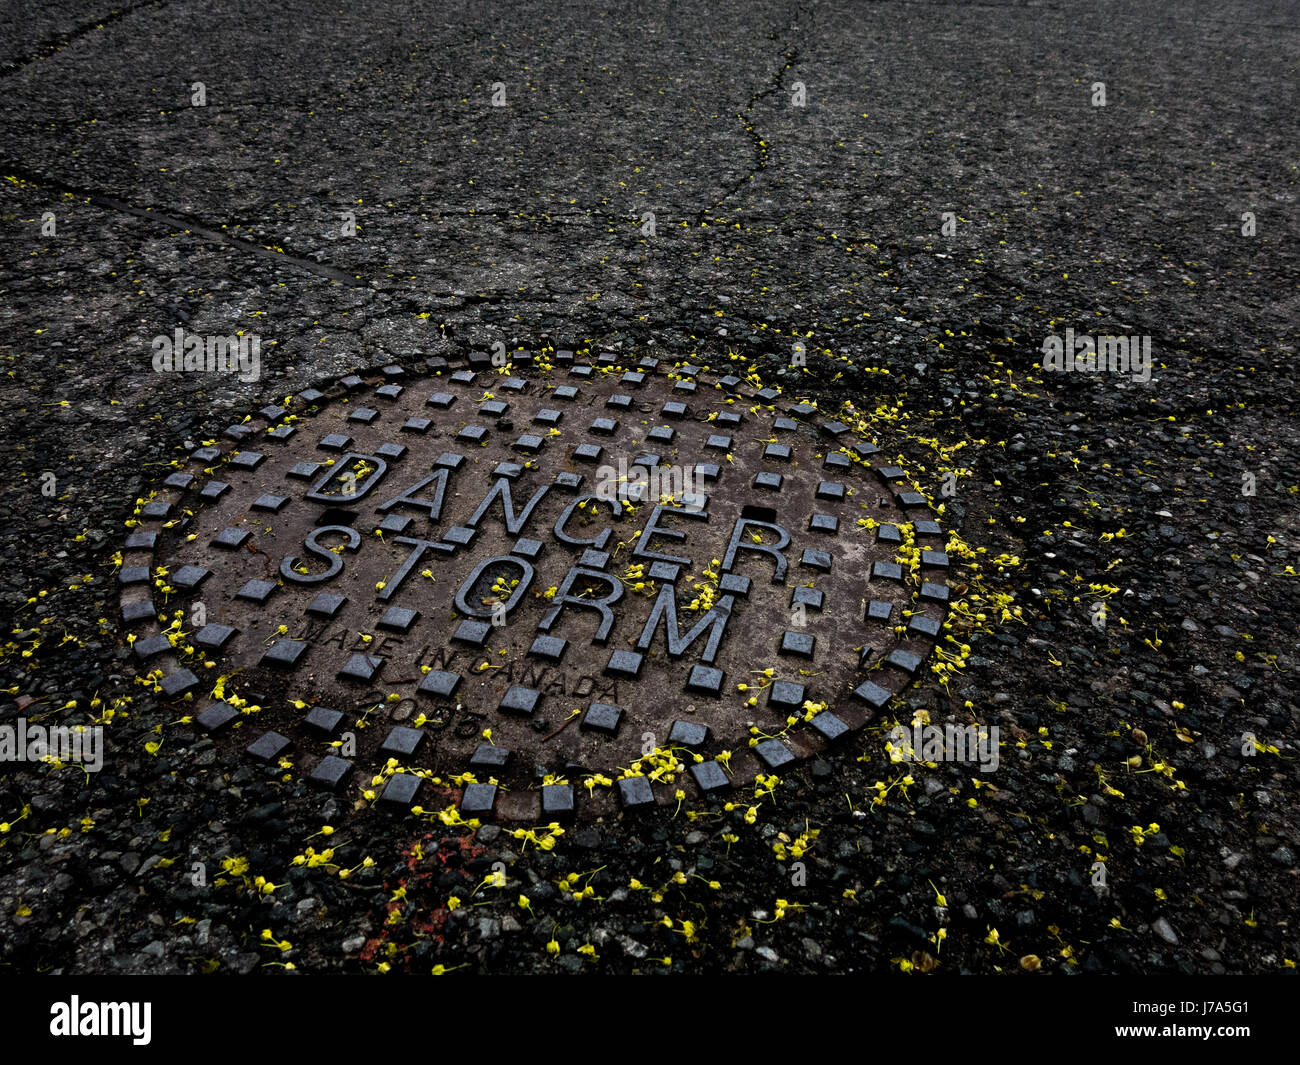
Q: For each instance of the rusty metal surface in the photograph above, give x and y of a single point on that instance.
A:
(431, 551)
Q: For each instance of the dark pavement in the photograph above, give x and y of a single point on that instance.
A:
(526, 223)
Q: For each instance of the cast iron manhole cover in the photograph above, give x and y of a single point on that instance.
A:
(591, 559)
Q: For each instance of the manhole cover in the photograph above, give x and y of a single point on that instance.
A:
(589, 559)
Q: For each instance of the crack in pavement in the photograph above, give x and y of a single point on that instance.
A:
(791, 56)
(60, 41)
(176, 222)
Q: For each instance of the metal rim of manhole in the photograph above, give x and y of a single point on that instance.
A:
(499, 587)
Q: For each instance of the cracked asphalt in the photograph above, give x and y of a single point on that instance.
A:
(946, 194)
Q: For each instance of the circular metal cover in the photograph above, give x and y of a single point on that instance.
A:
(592, 559)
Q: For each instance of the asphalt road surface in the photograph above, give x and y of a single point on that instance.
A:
(921, 194)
